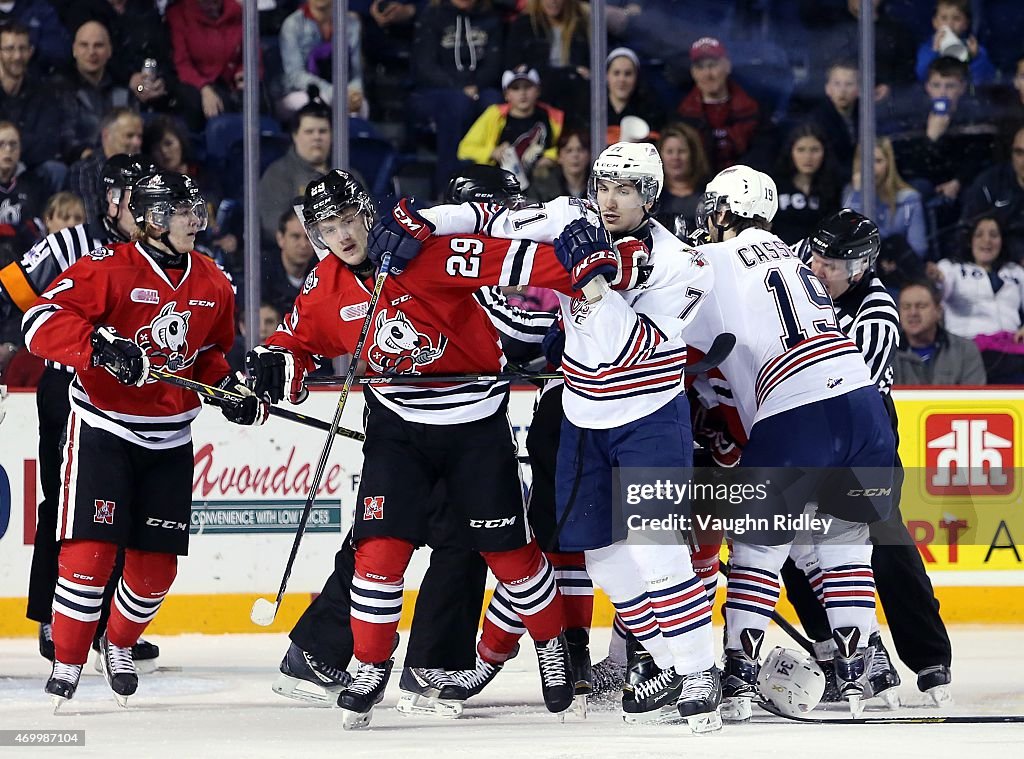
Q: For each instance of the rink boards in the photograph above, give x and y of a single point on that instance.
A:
(962, 500)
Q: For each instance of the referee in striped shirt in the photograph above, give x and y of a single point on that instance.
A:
(841, 254)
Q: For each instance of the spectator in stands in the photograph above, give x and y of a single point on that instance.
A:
(88, 92)
(572, 172)
(928, 354)
(951, 35)
(717, 107)
(686, 174)
(307, 158)
(457, 65)
(63, 210)
(206, 40)
(520, 135)
(388, 31)
(22, 195)
(807, 182)
(305, 40)
(983, 299)
(26, 102)
(627, 95)
(287, 266)
(137, 34)
(899, 214)
(47, 35)
(999, 192)
(552, 36)
(120, 132)
(837, 114)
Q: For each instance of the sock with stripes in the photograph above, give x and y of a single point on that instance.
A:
(529, 581)
(750, 598)
(83, 568)
(377, 589)
(502, 628)
(680, 604)
(705, 563)
(576, 587)
(146, 579)
(617, 644)
(849, 592)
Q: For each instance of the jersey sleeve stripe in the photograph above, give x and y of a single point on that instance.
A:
(34, 318)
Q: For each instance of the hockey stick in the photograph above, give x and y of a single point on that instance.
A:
(217, 394)
(799, 638)
(264, 611)
(717, 353)
(951, 720)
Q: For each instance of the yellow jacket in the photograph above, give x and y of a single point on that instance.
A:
(482, 138)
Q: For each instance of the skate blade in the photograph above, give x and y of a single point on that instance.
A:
(579, 705)
(940, 695)
(57, 702)
(665, 715)
(890, 697)
(146, 666)
(307, 692)
(355, 720)
(736, 709)
(122, 701)
(856, 706)
(708, 722)
(415, 704)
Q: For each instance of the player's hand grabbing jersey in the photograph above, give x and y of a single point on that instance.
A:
(182, 319)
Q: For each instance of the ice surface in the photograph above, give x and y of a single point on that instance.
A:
(213, 699)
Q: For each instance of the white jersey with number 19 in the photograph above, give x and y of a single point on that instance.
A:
(789, 350)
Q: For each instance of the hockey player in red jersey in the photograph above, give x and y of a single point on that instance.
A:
(417, 434)
(127, 460)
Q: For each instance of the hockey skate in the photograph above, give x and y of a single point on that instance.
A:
(935, 683)
(739, 676)
(46, 641)
(144, 654)
(578, 639)
(850, 668)
(63, 683)
(118, 670)
(700, 700)
(650, 693)
(824, 654)
(432, 692)
(883, 679)
(365, 691)
(608, 678)
(476, 679)
(305, 678)
(555, 669)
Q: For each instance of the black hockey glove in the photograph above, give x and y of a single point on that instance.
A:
(553, 345)
(402, 232)
(275, 375)
(585, 252)
(120, 356)
(248, 410)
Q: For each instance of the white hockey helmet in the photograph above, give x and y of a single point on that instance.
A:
(636, 162)
(742, 190)
(791, 682)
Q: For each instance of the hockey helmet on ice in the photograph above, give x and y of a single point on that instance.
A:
(791, 682)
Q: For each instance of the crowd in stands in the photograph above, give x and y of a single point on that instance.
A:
(436, 83)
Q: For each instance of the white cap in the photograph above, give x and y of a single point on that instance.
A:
(519, 72)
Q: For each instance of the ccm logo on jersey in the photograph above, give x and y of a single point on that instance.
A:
(969, 454)
(165, 524)
(202, 303)
(490, 524)
(144, 295)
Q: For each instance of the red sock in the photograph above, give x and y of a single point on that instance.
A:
(530, 582)
(146, 579)
(83, 568)
(576, 588)
(377, 589)
(502, 628)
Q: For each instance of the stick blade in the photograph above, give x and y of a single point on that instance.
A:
(263, 612)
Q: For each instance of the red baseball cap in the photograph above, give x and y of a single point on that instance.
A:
(707, 47)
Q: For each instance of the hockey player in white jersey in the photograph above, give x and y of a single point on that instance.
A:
(634, 287)
(806, 402)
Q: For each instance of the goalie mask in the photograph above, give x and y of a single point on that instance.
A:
(485, 184)
(791, 682)
(849, 243)
(744, 192)
(634, 163)
(336, 194)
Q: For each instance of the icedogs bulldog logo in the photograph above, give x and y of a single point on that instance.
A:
(399, 348)
(165, 340)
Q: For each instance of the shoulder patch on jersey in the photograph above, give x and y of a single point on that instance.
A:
(34, 255)
(310, 283)
(100, 253)
(144, 295)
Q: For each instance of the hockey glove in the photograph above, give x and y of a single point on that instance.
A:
(633, 256)
(248, 410)
(585, 253)
(553, 345)
(275, 375)
(119, 356)
(402, 232)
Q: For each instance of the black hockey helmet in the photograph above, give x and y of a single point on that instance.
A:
(121, 171)
(849, 237)
(485, 184)
(329, 196)
(159, 195)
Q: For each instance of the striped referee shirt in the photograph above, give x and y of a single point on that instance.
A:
(867, 313)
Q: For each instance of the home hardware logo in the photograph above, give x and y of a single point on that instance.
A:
(970, 454)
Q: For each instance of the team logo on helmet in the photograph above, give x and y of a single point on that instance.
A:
(398, 347)
(165, 340)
